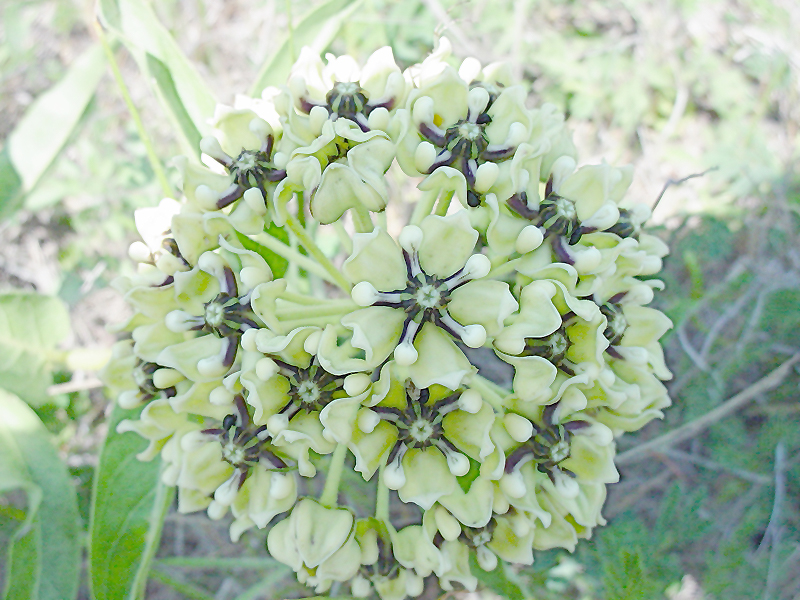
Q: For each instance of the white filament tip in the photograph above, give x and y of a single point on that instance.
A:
(179, 321)
(477, 266)
(206, 196)
(368, 420)
(447, 524)
(457, 463)
(266, 368)
(255, 201)
(529, 239)
(470, 401)
(486, 559)
(410, 238)
(277, 423)
(473, 336)
(405, 354)
(518, 427)
(364, 294)
(210, 145)
(220, 396)
(280, 486)
(356, 383)
(393, 476)
(485, 177)
(513, 484)
(424, 157)
(260, 128)
(477, 100)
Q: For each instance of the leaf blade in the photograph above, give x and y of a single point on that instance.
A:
(316, 29)
(47, 124)
(31, 325)
(128, 507)
(50, 536)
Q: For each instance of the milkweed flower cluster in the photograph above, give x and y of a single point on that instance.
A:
(264, 358)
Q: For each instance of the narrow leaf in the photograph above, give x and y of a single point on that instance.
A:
(12, 195)
(316, 29)
(31, 325)
(277, 263)
(169, 96)
(128, 507)
(499, 580)
(44, 559)
(47, 124)
(183, 91)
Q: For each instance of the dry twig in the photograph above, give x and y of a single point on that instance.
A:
(689, 430)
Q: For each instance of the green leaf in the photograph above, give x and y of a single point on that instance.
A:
(499, 580)
(316, 29)
(45, 127)
(12, 195)
(31, 326)
(129, 504)
(169, 96)
(44, 559)
(182, 91)
(276, 262)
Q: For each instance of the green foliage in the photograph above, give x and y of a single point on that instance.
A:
(501, 580)
(184, 95)
(40, 135)
(44, 557)
(316, 29)
(31, 326)
(128, 508)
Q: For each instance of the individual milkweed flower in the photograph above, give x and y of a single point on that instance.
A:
(575, 203)
(319, 543)
(158, 247)
(454, 130)
(342, 90)
(432, 286)
(625, 397)
(214, 300)
(379, 568)
(556, 340)
(241, 180)
(559, 443)
(427, 436)
(342, 168)
(234, 464)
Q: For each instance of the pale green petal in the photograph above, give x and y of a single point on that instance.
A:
(447, 243)
(369, 448)
(470, 432)
(591, 462)
(440, 361)
(483, 301)
(377, 259)
(319, 532)
(185, 356)
(533, 376)
(427, 477)
(474, 508)
(376, 331)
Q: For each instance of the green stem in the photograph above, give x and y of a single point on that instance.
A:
(344, 238)
(187, 590)
(330, 494)
(504, 269)
(163, 500)
(293, 256)
(308, 243)
(382, 496)
(489, 390)
(444, 203)
(211, 562)
(152, 157)
(361, 219)
(295, 298)
(424, 206)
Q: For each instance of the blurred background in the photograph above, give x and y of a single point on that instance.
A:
(701, 96)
